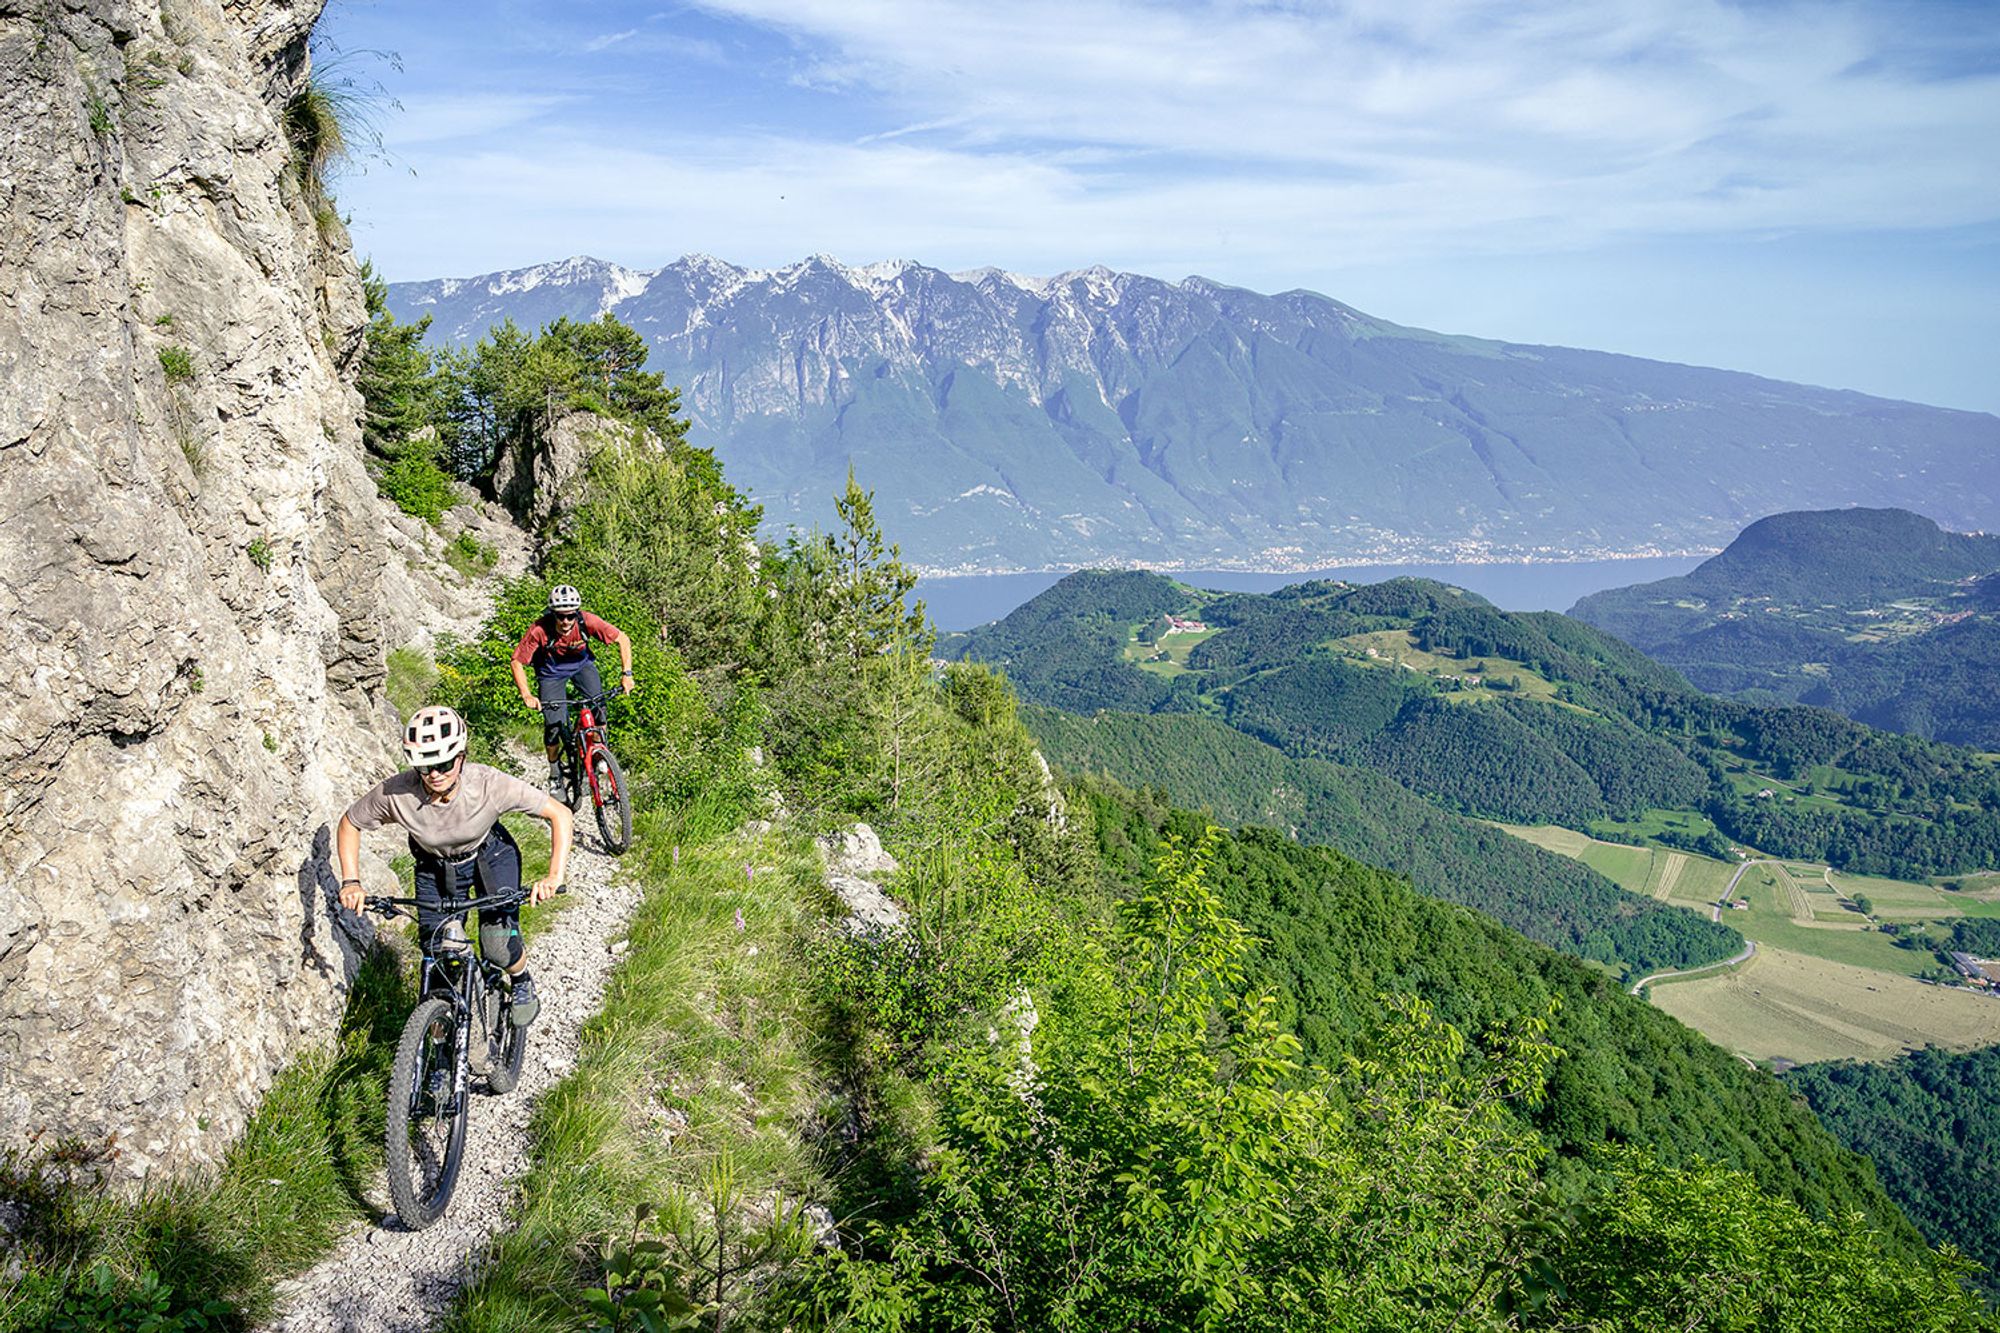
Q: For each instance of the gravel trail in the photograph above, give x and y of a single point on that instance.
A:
(381, 1279)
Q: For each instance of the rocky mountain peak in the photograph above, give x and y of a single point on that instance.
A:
(1097, 416)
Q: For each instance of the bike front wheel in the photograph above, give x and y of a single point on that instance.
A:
(427, 1117)
(510, 1044)
(614, 803)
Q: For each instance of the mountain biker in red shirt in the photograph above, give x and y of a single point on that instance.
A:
(558, 647)
(451, 810)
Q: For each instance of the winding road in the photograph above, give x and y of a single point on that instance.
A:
(1715, 914)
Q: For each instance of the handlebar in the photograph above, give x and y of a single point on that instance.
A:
(451, 906)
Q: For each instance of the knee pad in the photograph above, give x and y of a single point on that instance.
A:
(500, 941)
(551, 733)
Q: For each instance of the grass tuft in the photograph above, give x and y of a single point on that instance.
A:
(177, 364)
(697, 1053)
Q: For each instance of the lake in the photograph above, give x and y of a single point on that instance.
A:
(960, 602)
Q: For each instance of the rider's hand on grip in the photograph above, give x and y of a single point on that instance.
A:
(544, 890)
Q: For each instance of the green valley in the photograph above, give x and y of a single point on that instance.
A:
(1829, 980)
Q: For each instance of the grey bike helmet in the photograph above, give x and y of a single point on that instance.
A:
(434, 736)
(565, 599)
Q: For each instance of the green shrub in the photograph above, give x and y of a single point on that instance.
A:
(104, 1302)
(177, 364)
(667, 734)
(259, 552)
(417, 485)
(470, 556)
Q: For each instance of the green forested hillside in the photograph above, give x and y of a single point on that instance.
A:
(1336, 940)
(1931, 1122)
(1876, 613)
(1533, 718)
(1240, 780)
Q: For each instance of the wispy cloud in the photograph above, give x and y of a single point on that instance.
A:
(434, 118)
(1362, 146)
(1659, 101)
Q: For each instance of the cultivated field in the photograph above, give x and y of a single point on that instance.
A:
(1395, 648)
(1791, 1006)
(1169, 656)
(1813, 947)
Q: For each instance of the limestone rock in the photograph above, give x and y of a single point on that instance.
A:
(191, 574)
(531, 479)
(852, 859)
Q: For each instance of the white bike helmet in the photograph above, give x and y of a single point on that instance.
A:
(565, 599)
(434, 736)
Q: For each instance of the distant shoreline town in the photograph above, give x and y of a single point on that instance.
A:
(1272, 564)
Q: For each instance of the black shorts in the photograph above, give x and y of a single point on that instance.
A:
(553, 690)
(494, 868)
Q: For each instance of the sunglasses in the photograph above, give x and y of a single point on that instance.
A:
(445, 767)
(562, 619)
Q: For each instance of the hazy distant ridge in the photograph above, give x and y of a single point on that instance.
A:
(1010, 422)
(1877, 613)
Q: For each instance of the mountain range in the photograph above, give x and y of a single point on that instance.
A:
(1012, 423)
(1877, 613)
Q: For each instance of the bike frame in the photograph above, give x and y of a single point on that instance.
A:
(453, 968)
(583, 737)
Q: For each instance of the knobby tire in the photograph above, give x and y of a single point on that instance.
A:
(513, 1043)
(424, 1150)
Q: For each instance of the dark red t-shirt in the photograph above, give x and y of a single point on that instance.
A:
(541, 648)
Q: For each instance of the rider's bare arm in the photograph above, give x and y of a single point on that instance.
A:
(561, 825)
(624, 642)
(521, 684)
(347, 851)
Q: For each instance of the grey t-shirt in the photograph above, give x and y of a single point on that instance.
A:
(451, 828)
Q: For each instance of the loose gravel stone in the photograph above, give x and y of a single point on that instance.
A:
(383, 1279)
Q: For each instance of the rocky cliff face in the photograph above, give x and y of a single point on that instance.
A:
(192, 570)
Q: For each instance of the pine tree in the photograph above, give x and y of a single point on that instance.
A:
(870, 596)
(395, 379)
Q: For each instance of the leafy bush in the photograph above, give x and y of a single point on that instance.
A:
(469, 555)
(667, 736)
(103, 1302)
(177, 364)
(417, 485)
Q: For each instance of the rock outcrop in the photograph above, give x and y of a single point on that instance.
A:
(533, 477)
(192, 570)
(854, 862)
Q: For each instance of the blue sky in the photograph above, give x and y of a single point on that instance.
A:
(1805, 190)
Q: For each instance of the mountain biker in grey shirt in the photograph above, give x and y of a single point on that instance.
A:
(451, 811)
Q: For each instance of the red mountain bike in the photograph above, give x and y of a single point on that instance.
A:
(590, 767)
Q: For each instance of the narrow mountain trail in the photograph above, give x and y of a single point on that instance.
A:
(383, 1279)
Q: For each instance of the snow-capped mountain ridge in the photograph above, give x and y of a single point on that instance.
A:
(1129, 419)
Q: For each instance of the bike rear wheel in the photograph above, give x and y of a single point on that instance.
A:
(614, 803)
(427, 1117)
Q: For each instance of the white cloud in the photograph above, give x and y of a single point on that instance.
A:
(1663, 103)
(437, 117)
(610, 39)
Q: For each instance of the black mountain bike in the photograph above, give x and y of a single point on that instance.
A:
(461, 1029)
(592, 771)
